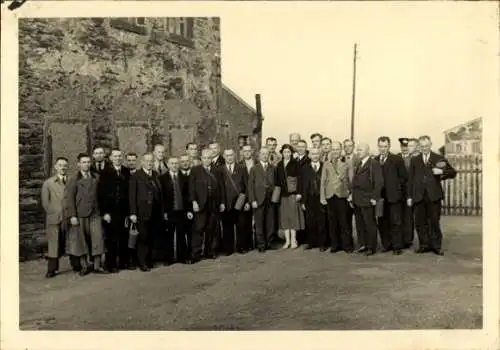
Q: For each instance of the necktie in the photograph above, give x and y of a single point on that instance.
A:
(64, 180)
(382, 159)
(316, 167)
(426, 158)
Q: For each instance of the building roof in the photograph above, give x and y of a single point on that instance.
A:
(232, 93)
(463, 124)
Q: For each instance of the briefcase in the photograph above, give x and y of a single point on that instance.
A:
(275, 197)
(240, 201)
(132, 236)
(291, 184)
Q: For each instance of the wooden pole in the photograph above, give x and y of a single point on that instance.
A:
(258, 127)
(353, 91)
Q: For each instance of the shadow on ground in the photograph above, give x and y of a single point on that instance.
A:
(278, 290)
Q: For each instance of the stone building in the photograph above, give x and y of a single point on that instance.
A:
(115, 82)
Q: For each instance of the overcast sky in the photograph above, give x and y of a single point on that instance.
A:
(423, 67)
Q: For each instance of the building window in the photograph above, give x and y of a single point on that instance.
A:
(131, 24)
(458, 148)
(476, 147)
(179, 30)
(182, 26)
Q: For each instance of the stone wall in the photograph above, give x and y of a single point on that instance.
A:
(112, 82)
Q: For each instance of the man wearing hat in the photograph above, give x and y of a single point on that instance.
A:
(408, 226)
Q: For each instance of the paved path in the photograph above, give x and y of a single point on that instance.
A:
(278, 290)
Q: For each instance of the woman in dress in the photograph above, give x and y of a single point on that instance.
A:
(291, 217)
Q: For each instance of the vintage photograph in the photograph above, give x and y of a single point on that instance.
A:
(320, 172)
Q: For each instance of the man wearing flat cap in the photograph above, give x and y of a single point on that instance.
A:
(408, 226)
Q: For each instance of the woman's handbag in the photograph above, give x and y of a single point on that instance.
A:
(275, 196)
(132, 236)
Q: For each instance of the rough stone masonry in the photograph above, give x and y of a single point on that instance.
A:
(126, 82)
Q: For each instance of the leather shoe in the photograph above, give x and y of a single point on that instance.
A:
(361, 250)
(335, 250)
(84, 271)
(50, 274)
(323, 249)
(438, 252)
(262, 250)
(144, 268)
(369, 252)
(397, 252)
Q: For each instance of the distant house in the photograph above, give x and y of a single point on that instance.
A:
(244, 122)
(464, 139)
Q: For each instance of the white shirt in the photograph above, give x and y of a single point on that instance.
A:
(148, 172)
(363, 161)
(173, 175)
(264, 164)
(215, 159)
(185, 172)
(315, 165)
(425, 157)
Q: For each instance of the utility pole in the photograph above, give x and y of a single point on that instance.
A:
(353, 109)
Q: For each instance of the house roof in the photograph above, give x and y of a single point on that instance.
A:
(463, 124)
(238, 98)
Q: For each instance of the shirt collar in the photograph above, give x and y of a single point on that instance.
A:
(364, 160)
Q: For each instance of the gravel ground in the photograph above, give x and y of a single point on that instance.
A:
(278, 290)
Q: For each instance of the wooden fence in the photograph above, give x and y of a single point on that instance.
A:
(463, 195)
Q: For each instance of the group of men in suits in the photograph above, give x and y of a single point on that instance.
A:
(188, 208)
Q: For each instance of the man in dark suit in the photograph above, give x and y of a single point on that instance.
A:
(81, 205)
(217, 159)
(99, 162)
(233, 186)
(366, 188)
(315, 212)
(205, 194)
(246, 235)
(185, 162)
(114, 206)
(178, 209)
(131, 162)
(395, 178)
(303, 160)
(408, 212)
(425, 193)
(261, 182)
(146, 210)
(159, 164)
